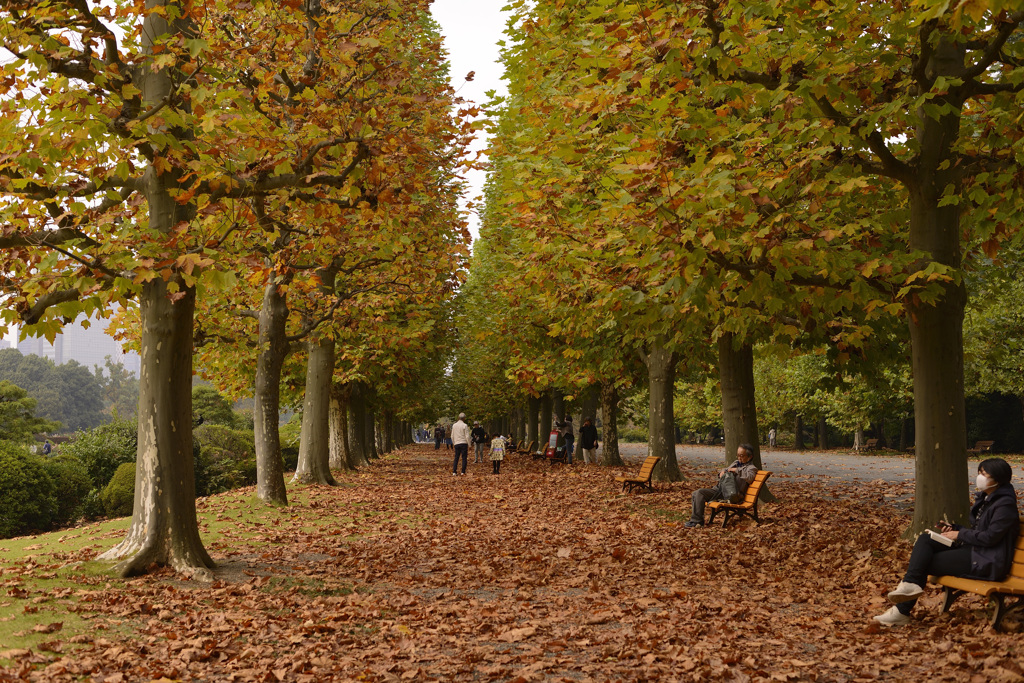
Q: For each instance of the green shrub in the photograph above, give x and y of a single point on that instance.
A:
(633, 435)
(228, 458)
(26, 492)
(118, 497)
(72, 485)
(103, 449)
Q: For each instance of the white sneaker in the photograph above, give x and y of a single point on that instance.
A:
(905, 592)
(892, 617)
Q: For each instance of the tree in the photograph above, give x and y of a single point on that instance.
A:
(209, 404)
(18, 422)
(134, 160)
(120, 389)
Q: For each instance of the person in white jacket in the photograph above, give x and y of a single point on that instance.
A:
(460, 438)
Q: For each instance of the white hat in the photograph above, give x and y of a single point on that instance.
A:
(462, 416)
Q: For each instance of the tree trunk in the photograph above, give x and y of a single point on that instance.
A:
(822, 433)
(906, 433)
(858, 439)
(338, 430)
(164, 528)
(798, 433)
(739, 411)
(532, 420)
(558, 405)
(936, 330)
(610, 456)
(545, 419)
(314, 452)
(590, 403)
(661, 376)
(273, 349)
(371, 432)
(357, 449)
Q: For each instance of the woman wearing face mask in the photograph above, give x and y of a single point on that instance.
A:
(982, 551)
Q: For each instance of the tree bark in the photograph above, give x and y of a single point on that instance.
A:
(661, 377)
(906, 433)
(798, 433)
(558, 405)
(858, 438)
(273, 349)
(338, 430)
(357, 449)
(532, 420)
(822, 433)
(590, 403)
(371, 431)
(164, 528)
(739, 410)
(545, 419)
(936, 330)
(610, 456)
(314, 452)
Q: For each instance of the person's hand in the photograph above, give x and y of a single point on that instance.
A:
(952, 534)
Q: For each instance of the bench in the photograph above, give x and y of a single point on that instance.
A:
(997, 591)
(747, 507)
(870, 445)
(643, 478)
(982, 447)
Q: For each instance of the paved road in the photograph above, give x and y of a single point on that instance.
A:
(844, 466)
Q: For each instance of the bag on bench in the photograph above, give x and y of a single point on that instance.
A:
(730, 488)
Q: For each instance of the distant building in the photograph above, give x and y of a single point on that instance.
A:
(89, 347)
(4, 344)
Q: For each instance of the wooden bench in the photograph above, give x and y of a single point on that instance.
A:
(643, 478)
(997, 591)
(870, 445)
(982, 447)
(747, 507)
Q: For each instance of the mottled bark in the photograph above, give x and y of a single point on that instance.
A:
(338, 429)
(661, 375)
(314, 452)
(357, 449)
(273, 349)
(610, 456)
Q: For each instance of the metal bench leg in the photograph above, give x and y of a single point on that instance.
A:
(725, 519)
(1000, 610)
(949, 598)
(714, 511)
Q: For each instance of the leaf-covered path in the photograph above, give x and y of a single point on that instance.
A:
(541, 573)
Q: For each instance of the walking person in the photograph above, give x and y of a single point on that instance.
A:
(460, 439)
(447, 437)
(497, 453)
(588, 441)
(438, 437)
(772, 434)
(479, 438)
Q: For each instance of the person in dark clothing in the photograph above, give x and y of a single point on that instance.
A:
(983, 550)
(438, 437)
(588, 441)
(479, 437)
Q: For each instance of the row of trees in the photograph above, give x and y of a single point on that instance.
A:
(675, 186)
(273, 185)
(70, 394)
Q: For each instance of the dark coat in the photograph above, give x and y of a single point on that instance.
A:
(588, 437)
(995, 523)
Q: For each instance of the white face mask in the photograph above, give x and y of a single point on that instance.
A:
(983, 482)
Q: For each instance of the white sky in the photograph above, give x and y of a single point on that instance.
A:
(471, 30)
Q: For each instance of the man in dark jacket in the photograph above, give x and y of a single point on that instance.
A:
(588, 441)
(479, 437)
(438, 436)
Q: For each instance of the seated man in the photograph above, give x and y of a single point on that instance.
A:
(745, 471)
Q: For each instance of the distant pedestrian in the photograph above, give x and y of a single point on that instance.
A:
(570, 438)
(447, 437)
(460, 438)
(588, 441)
(438, 437)
(47, 447)
(497, 453)
(771, 437)
(479, 438)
